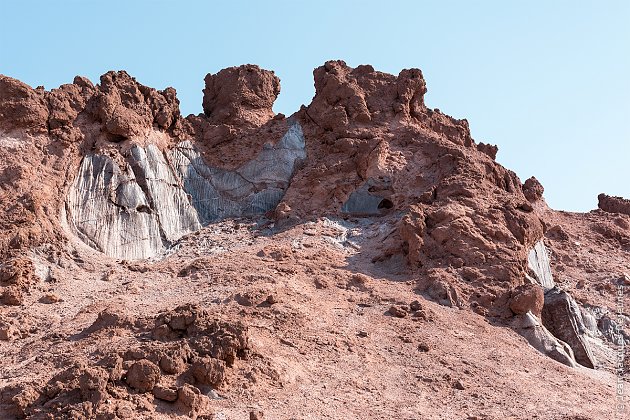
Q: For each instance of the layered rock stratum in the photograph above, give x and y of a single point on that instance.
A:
(364, 257)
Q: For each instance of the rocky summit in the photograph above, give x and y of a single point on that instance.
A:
(364, 258)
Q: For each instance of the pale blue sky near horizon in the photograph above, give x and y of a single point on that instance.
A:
(547, 81)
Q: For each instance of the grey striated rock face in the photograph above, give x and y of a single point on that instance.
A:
(109, 211)
(173, 210)
(137, 211)
(562, 316)
(543, 340)
(538, 263)
(254, 188)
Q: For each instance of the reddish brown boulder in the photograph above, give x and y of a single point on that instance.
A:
(12, 296)
(397, 311)
(527, 297)
(143, 375)
(208, 371)
(50, 298)
(191, 401)
(240, 95)
(165, 393)
(93, 383)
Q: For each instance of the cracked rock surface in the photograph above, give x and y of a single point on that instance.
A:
(138, 210)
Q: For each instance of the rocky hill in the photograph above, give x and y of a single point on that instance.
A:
(361, 258)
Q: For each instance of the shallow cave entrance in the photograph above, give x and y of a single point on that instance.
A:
(385, 204)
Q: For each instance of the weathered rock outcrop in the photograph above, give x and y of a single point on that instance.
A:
(366, 146)
(533, 189)
(127, 108)
(540, 268)
(253, 188)
(22, 107)
(186, 339)
(562, 316)
(130, 212)
(240, 96)
(539, 337)
(613, 204)
(375, 149)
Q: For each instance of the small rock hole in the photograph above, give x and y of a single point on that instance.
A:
(385, 204)
(143, 209)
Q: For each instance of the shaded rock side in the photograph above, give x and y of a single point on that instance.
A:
(562, 316)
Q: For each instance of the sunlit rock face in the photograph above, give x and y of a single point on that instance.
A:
(538, 263)
(139, 209)
(110, 212)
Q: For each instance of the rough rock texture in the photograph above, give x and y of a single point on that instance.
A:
(240, 95)
(533, 189)
(313, 230)
(22, 107)
(540, 267)
(613, 204)
(375, 149)
(527, 298)
(562, 316)
(188, 333)
(143, 375)
(127, 108)
(139, 210)
(108, 210)
(255, 187)
(540, 338)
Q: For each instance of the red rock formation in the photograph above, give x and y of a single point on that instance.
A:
(533, 189)
(613, 204)
(445, 220)
(463, 210)
(241, 95)
(127, 108)
(22, 107)
(369, 135)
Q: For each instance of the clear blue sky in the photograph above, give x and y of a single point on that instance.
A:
(548, 81)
